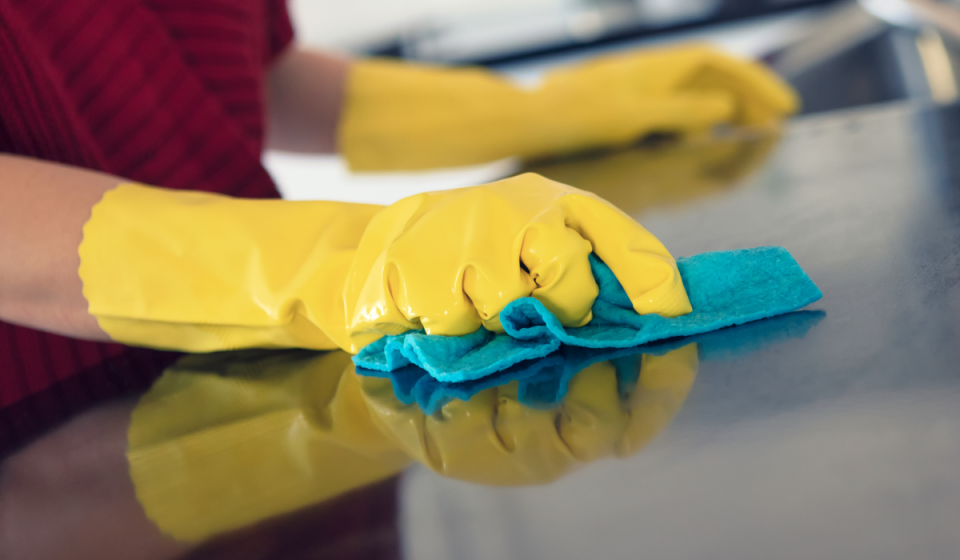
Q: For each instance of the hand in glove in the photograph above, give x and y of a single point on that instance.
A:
(405, 116)
(201, 272)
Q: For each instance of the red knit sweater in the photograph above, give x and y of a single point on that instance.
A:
(165, 92)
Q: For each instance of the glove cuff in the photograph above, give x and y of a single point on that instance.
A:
(201, 272)
(400, 116)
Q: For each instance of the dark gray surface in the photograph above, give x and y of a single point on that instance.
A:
(843, 443)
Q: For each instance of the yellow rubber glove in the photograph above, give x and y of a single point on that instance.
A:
(224, 441)
(202, 272)
(405, 116)
(493, 439)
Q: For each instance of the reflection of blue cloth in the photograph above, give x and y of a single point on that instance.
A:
(725, 288)
(543, 383)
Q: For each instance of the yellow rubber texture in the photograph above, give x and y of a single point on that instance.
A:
(224, 441)
(493, 439)
(450, 261)
(201, 272)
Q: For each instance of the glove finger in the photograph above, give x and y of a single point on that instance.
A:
(490, 290)
(593, 420)
(557, 259)
(762, 92)
(460, 261)
(491, 439)
(374, 282)
(640, 262)
(418, 281)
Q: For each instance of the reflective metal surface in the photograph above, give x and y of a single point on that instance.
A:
(829, 433)
(842, 444)
(872, 51)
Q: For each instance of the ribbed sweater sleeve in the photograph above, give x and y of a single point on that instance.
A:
(166, 92)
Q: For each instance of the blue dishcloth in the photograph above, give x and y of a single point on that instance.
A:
(725, 288)
(543, 383)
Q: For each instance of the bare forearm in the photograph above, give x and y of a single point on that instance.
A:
(304, 98)
(43, 207)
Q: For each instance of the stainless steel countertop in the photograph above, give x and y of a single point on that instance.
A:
(842, 443)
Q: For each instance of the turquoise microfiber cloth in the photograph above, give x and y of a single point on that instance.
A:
(543, 383)
(725, 288)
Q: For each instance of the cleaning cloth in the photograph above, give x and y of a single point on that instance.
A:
(725, 288)
(543, 383)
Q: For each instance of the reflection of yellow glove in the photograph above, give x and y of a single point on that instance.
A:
(201, 272)
(644, 177)
(224, 441)
(402, 116)
(493, 439)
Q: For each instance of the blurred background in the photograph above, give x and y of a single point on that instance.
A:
(497, 30)
(837, 53)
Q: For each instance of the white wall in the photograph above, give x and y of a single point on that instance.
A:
(341, 24)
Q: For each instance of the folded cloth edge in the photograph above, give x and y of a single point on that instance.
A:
(547, 336)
